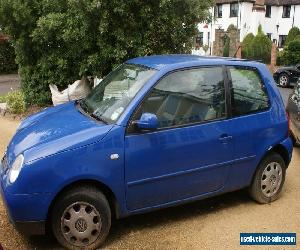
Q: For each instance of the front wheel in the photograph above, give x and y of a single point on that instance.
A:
(269, 179)
(81, 218)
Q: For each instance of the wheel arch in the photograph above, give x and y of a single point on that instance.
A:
(284, 72)
(282, 151)
(279, 149)
(108, 193)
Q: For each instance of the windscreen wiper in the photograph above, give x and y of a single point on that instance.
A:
(99, 118)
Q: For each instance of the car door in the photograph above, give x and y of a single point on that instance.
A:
(189, 154)
(251, 123)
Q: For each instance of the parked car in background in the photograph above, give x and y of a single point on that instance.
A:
(286, 76)
(156, 132)
(293, 109)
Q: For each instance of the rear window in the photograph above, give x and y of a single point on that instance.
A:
(248, 94)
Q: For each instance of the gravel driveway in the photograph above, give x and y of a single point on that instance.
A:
(210, 224)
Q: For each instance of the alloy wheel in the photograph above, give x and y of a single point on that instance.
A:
(283, 80)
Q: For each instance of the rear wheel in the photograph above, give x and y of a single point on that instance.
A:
(81, 218)
(269, 179)
(284, 80)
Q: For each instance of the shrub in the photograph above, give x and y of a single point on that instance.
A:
(226, 46)
(292, 35)
(232, 28)
(247, 49)
(291, 55)
(257, 47)
(297, 37)
(262, 47)
(7, 57)
(280, 58)
(2, 98)
(15, 102)
(59, 41)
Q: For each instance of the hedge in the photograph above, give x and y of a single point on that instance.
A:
(7, 58)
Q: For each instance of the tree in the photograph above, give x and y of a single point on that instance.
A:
(292, 35)
(59, 41)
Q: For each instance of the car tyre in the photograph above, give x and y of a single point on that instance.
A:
(268, 179)
(283, 80)
(81, 218)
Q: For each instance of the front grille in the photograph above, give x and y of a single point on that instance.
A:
(4, 163)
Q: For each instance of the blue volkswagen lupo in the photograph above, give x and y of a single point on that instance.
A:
(158, 131)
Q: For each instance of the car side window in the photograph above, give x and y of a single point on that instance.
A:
(187, 96)
(248, 94)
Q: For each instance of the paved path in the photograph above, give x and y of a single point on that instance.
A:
(8, 82)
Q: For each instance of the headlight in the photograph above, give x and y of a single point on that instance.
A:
(16, 168)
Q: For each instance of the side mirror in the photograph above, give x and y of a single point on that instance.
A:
(147, 121)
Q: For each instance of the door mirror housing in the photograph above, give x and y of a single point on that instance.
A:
(147, 121)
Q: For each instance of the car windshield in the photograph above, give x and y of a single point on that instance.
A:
(110, 98)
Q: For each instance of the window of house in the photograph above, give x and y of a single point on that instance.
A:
(248, 93)
(234, 9)
(218, 11)
(199, 39)
(269, 35)
(286, 11)
(187, 97)
(281, 40)
(268, 10)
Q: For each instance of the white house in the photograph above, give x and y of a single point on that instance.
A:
(277, 17)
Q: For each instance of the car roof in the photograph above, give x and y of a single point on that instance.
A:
(185, 60)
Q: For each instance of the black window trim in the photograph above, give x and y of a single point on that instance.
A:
(283, 13)
(217, 6)
(268, 14)
(281, 40)
(230, 9)
(230, 92)
(130, 130)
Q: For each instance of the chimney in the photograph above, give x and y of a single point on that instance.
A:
(259, 6)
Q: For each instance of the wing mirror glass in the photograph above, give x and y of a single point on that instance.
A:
(147, 121)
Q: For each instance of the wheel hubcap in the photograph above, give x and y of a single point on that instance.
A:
(81, 224)
(271, 179)
(283, 80)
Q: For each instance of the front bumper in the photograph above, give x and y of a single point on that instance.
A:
(27, 212)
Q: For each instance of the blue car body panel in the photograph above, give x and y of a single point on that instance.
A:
(62, 146)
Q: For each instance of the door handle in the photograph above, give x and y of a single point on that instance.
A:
(225, 138)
